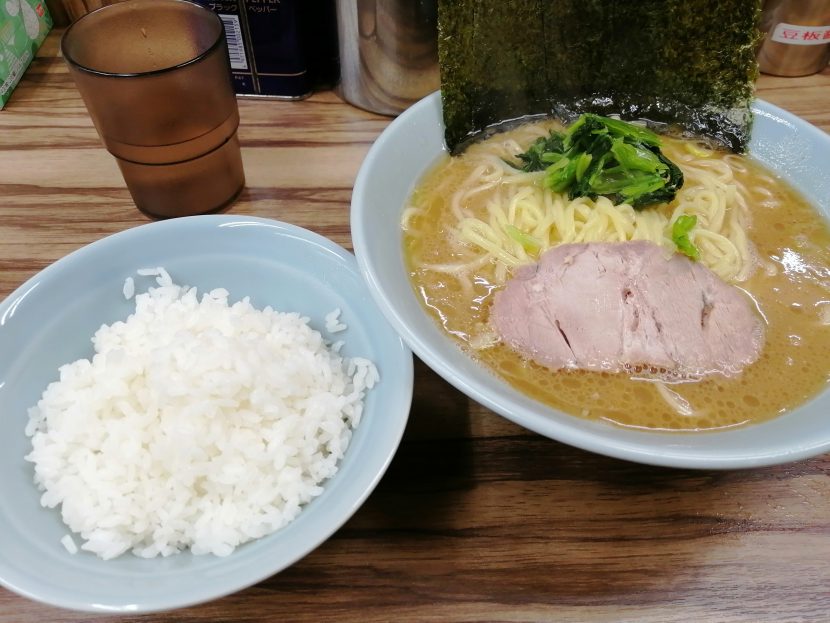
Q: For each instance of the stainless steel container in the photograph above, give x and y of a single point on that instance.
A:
(388, 52)
(797, 37)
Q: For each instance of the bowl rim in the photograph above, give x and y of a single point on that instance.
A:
(529, 413)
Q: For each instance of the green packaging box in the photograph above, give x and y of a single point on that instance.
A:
(24, 25)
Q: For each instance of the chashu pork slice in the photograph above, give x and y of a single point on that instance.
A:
(622, 306)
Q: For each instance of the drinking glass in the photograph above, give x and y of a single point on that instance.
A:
(155, 77)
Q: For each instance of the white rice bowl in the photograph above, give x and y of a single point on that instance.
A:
(197, 424)
(48, 322)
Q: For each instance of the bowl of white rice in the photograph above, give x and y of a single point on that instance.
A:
(187, 408)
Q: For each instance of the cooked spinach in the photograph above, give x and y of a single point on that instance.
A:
(597, 156)
(680, 235)
(532, 158)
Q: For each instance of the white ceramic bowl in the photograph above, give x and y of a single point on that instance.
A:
(49, 321)
(412, 143)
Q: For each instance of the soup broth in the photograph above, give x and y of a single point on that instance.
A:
(788, 279)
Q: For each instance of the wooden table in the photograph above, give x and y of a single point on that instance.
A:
(476, 519)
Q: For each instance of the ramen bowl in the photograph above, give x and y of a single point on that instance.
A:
(785, 144)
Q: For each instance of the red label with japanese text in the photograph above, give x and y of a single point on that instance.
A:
(801, 35)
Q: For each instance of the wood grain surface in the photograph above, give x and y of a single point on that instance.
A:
(476, 519)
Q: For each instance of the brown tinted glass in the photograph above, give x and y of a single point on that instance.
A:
(155, 77)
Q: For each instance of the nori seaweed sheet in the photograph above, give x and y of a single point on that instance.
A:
(686, 64)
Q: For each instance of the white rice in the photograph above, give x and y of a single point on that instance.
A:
(197, 424)
(129, 288)
(333, 324)
(69, 543)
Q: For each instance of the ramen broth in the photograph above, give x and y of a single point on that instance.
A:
(790, 285)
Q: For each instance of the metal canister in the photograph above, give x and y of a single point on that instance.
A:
(797, 37)
(388, 52)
